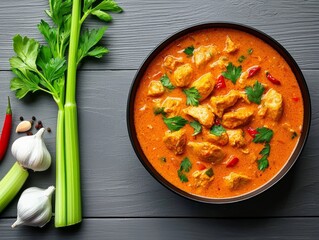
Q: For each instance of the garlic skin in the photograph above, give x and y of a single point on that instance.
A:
(34, 207)
(31, 152)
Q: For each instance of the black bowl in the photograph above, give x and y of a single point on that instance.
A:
(270, 41)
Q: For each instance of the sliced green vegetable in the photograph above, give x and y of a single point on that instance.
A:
(192, 96)
(232, 73)
(209, 172)
(255, 93)
(175, 123)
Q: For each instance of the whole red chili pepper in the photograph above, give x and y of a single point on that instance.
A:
(220, 82)
(272, 79)
(253, 71)
(6, 131)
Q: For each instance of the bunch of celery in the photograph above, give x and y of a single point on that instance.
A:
(48, 68)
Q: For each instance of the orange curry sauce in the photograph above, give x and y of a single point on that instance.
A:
(151, 128)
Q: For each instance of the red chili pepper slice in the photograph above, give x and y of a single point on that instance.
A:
(252, 132)
(200, 166)
(220, 82)
(272, 79)
(296, 99)
(6, 131)
(232, 162)
(252, 71)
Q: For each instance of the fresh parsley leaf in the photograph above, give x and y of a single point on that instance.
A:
(217, 130)
(109, 5)
(159, 110)
(264, 135)
(250, 51)
(192, 96)
(88, 39)
(166, 82)
(263, 163)
(182, 176)
(189, 51)
(98, 52)
(266, 150)
(175, 123)
(54, 69)
(255, 93)
(197, 127)
(293, 135)
(163, 159)
(87, 4)
(186, 165)
(241, 58)
(24, 83)
(232, 73)
(209, 172)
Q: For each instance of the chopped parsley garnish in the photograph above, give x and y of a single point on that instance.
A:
(209, 172)
(166, 82)
(185, 167)
(159, 110)
(264, 135)
(192, 96)
(189, 51)
(254, 93)
(163, 159)
(293, 135)
(197, 127)
(217, 130)
(241, 58)
(263, 163)
(250, 51)
(175, 123)
(266, 150)
(232, 73)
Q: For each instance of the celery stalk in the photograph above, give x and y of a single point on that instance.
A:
(73, 195)
(11, 184)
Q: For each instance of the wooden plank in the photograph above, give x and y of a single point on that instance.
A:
(172, 228)
(115, 184)
(144, 24)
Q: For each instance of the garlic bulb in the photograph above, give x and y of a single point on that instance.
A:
(31, 152)
(34, 207)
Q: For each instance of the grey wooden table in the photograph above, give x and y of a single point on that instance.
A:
(120, 198)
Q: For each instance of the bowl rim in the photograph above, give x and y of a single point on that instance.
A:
(270, 41)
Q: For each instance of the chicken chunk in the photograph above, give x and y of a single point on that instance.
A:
(175, 141)
(202, 113)
(170, 62)
(271, 105)
(203, 177)
(221, 103)
(203, 54)
(155, 89)
(235, 180)
(206, 151)
(222, 62)
(182, 76)
(205, 85)
(236, 137)
(230, 46)
(237, 118)
(219, 140)
(172, 106)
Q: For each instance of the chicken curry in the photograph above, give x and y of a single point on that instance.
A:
(218, 113)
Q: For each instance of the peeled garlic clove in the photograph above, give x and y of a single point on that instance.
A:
(34, 207)
(23, 126)
(31, 152)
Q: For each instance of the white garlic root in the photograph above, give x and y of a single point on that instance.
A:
(34, 207)
(31, 152)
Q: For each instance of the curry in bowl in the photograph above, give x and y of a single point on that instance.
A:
(218, 113)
